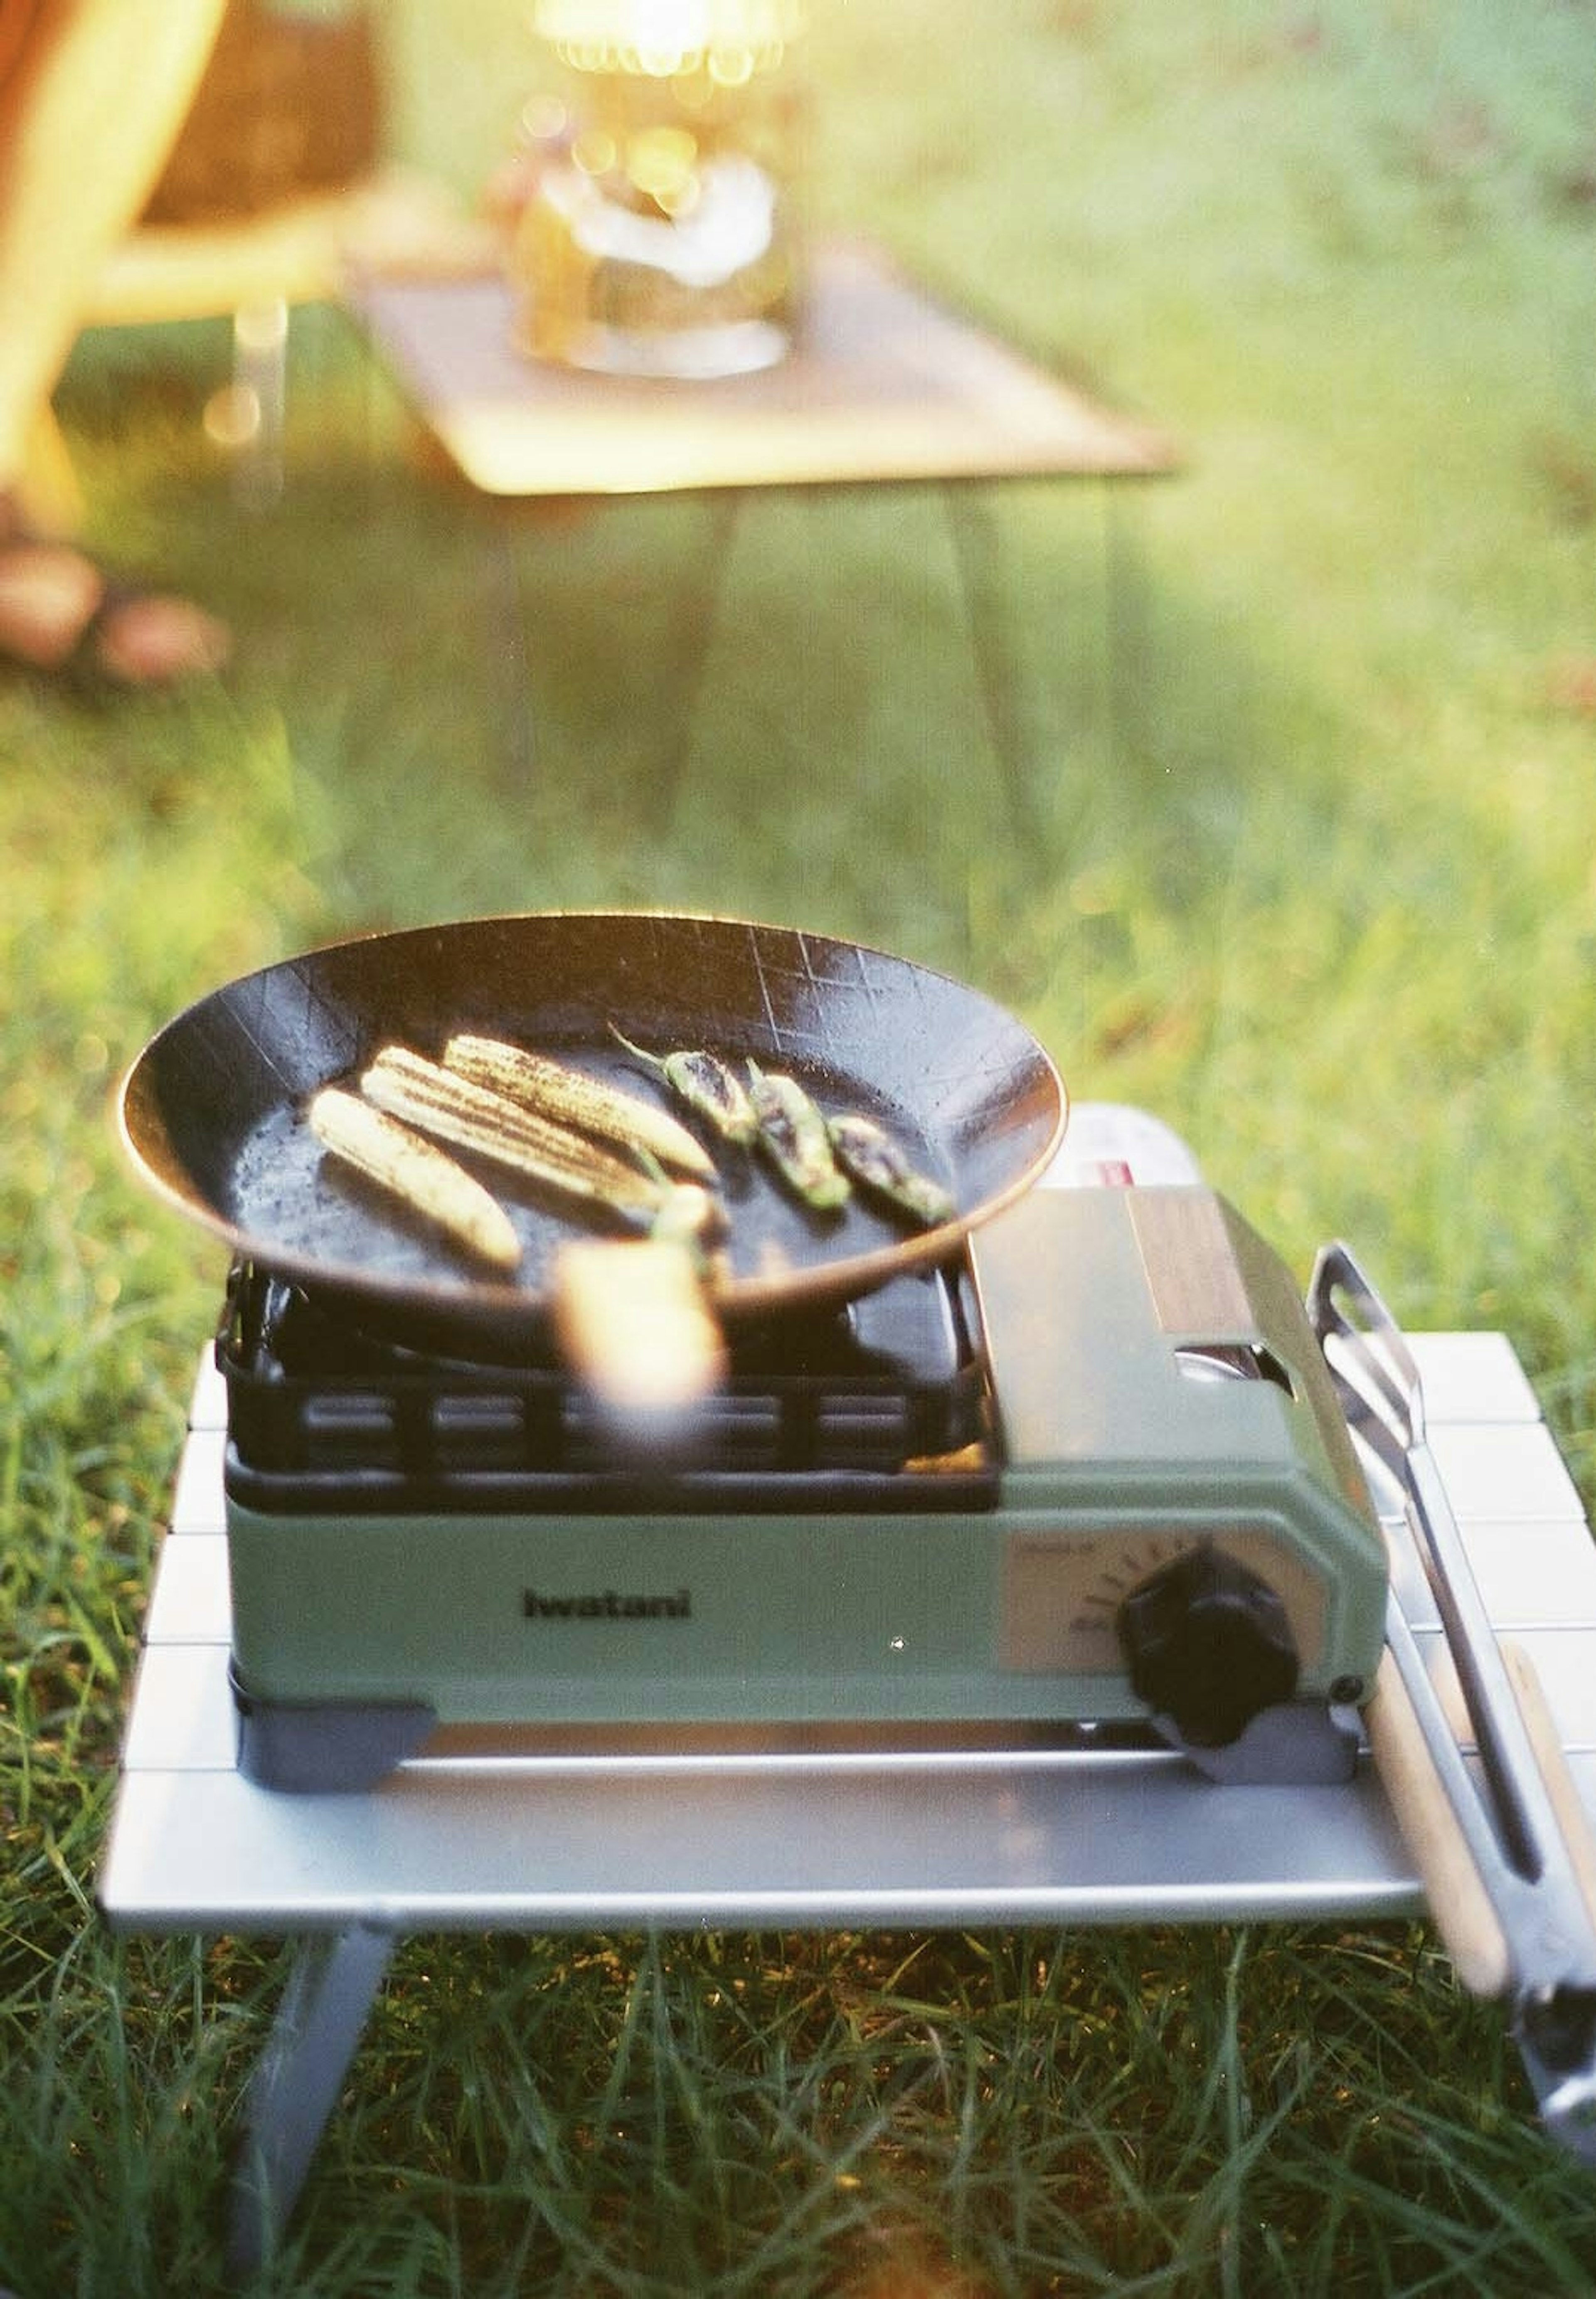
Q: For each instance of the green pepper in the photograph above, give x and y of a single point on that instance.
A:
(704, 1085)
(868, 1152)
(794, 1136)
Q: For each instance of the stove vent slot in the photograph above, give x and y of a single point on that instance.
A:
(478, 1432)
(582, 1444)
(750, 1428)
(861, 1432)
(355, 1430)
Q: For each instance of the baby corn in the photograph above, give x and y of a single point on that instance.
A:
(450, 1107)
(416, 1171)
(571, 1096)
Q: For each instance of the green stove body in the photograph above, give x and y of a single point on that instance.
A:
(1123, 1495)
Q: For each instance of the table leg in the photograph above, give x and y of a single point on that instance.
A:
(506, 617)
(296, 2082)
(690, 635)
(693, 633)
(973, 527)
(1123, 634)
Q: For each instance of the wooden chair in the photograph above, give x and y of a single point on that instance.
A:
(275, 192)
(256, 268)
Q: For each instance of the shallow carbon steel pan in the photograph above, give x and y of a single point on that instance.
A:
(213, 1111)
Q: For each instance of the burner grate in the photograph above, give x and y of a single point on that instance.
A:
(324, 1414)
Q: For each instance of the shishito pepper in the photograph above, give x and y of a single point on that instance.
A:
(703, 1084)
(794, 1136)
(868, 1153)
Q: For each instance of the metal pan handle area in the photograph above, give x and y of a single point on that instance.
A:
(1504, 1846)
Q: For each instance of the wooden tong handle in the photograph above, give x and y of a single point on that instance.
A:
(1454, 1888)
(1459, 1901)
(1569, 1806)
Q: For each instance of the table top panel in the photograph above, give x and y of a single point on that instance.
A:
(886, 384)
(1000, 1826)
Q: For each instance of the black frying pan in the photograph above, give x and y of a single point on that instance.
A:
(212, 1110)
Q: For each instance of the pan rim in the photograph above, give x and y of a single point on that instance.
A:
(481, 1298)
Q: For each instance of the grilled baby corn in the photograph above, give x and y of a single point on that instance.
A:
(415, 1171)
(571, 1096)
(452, 1108)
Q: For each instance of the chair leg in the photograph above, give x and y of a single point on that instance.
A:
(250, 413)
(693, 635)
(48, 493)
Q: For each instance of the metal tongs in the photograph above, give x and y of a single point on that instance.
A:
(1506, 1853)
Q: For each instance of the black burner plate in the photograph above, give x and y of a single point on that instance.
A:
(868, 1404)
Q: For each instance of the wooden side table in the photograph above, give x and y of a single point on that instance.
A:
(886, 386)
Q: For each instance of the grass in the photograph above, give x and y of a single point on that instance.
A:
(1318, 889)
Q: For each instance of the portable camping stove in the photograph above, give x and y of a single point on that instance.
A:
(1093, 1470)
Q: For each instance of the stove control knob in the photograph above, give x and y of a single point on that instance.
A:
(1208, 1645)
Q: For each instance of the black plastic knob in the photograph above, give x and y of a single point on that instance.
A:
(1208, 1645)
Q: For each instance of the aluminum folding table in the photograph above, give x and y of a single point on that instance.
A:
(783, 1830)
